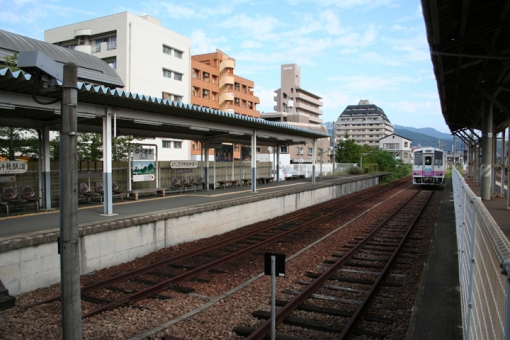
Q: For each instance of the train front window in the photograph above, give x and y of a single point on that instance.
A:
(438, 158)
(418, 158)
(428, 160)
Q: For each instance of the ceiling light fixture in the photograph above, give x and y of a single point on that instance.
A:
(148, 122)
(236, 133)
(85, 115)
(7, 106)
(198, 128)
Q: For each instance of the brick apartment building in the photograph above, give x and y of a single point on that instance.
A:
(214, 85)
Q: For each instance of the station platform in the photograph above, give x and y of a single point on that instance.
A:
(497, 206)
(25, 224)
(437, 310)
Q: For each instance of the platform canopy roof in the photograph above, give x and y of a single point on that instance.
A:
(89, 66)
(138, 115)
(470, 49)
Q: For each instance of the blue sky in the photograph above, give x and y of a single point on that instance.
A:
(347, 49)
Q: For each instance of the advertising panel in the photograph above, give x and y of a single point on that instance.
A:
(225, 153)
(143, 171)
(246, 154)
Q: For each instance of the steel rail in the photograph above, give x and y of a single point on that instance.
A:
(193, 272)
(140, 271)
(349, 328)
(262, 331)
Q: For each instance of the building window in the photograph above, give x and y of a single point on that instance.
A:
(166, 144)
(167, 49)
(172, 97)
(283, 149)
(178, 54)
(178, 145)
(112, 62)
(299, 150)
(405, 144)
(177, 76)
(310, 151)
(111, 42)
(167, 73)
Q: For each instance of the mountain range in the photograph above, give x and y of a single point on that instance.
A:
(420, 136)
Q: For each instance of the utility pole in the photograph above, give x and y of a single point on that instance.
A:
(69, 234)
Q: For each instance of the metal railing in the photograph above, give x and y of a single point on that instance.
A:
(484, 266)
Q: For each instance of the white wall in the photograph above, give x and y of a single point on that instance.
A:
(37, 264)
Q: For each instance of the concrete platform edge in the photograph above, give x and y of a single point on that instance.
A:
(437, 310)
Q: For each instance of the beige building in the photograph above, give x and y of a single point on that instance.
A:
(366, 123)
(150, 59)
(291, 98)
(399, 146)
(298, 107)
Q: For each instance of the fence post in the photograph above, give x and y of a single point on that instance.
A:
(471, 272)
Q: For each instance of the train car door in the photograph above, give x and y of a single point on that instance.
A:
(428, 165)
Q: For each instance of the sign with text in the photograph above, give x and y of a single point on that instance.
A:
(13, 167)
(183, 164)
(143, 171)
(143, 154)
(7, 178)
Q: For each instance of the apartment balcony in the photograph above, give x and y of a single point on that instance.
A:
(229, 96)
(305, 97)
(84, 48)
(226, 81)
(83, 32)
(300, 107)
(228, 63)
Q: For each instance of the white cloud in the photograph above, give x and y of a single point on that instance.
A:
(348, 4)
(200, 43)
(266, 97)
(190, 10)
(415, 48)
(256, 25)
(365, 84)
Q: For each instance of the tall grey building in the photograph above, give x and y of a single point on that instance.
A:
(294, 100)
(366, 123)
(298, 107)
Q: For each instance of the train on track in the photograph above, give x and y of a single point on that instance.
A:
(429, 166)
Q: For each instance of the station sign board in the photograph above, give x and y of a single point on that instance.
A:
(13, 167)
(143, 154)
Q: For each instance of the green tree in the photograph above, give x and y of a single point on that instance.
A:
(11, 62)
(17, 142)
(348, 151)
(90, 147)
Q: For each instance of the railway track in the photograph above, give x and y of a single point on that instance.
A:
(149, 281)
(374, 258)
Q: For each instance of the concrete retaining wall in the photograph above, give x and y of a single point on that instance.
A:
(33, 262)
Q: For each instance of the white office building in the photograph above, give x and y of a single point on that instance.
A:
(150, 59)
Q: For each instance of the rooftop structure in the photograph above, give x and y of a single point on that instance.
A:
(366, 123)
